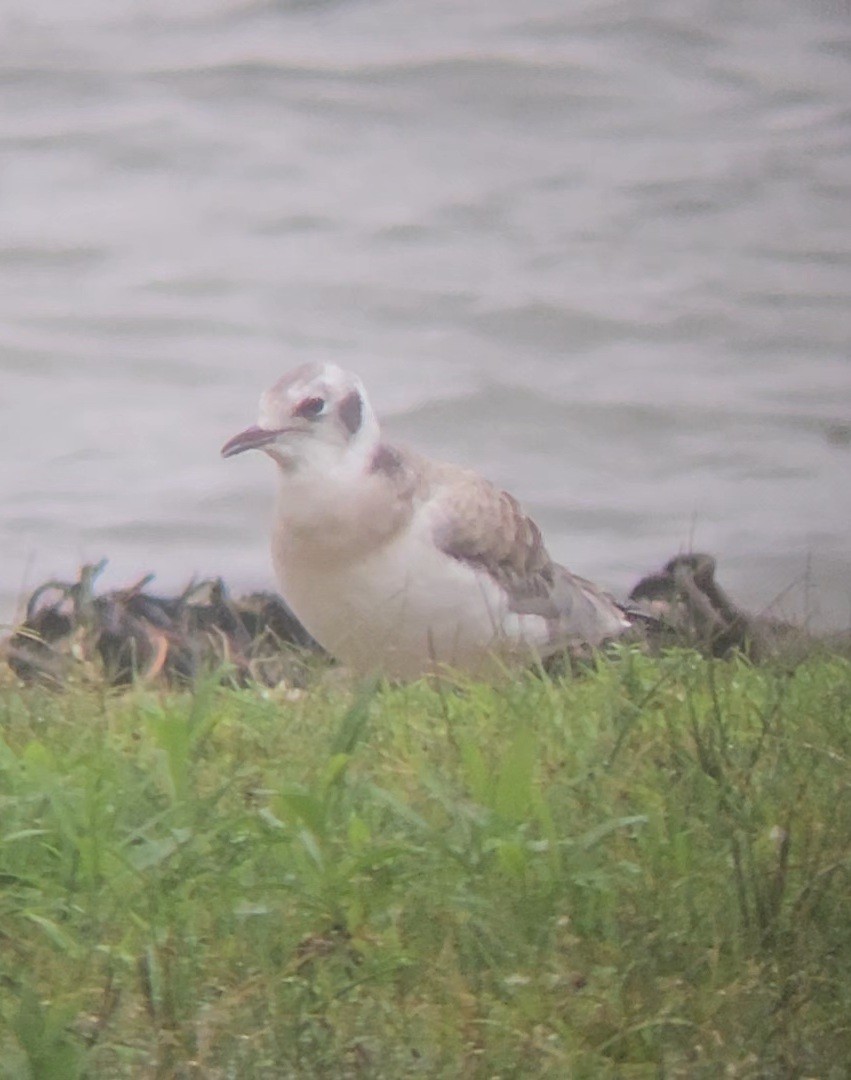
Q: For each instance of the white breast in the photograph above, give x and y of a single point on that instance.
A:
(405, 608)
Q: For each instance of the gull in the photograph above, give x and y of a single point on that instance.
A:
(399, 565)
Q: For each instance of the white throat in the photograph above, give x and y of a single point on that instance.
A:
(331, 505)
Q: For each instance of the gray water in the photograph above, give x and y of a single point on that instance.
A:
(599, 250)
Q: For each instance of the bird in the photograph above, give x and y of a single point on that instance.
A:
(401, 566)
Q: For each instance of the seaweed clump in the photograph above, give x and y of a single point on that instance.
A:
(686, 606)
(70, 632)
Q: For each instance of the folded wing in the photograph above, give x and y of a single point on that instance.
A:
(481, 525)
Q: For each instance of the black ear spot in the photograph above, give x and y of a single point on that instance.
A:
(351, 411)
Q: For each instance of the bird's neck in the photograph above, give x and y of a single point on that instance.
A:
(340, 508)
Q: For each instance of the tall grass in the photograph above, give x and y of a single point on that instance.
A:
(642, 872)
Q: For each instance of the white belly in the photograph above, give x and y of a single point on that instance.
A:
(406, 610)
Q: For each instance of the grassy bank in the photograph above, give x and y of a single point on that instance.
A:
(642, 872)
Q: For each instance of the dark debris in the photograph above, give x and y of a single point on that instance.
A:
(129, 634)
(690, 608)
(70, 633)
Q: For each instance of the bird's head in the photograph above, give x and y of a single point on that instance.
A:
(317, 414)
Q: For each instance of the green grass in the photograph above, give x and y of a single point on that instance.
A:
(641, 872)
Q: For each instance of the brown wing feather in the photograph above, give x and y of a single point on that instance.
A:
(477, 523)
(480, 524)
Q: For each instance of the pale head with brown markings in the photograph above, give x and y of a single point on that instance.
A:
(317, 414)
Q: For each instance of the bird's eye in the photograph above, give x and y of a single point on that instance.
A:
(310, 408)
